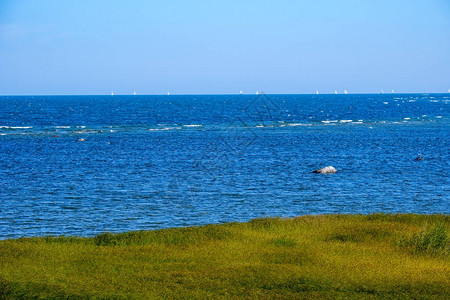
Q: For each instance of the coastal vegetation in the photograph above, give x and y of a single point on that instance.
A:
(325, 256)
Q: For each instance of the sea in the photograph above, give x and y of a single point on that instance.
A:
(84, 165)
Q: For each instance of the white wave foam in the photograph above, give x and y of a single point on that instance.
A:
(62, 127)
(163, 129)
(193, 125)
(87, 131)
(345, 121)
(16, 127)
(300, 124)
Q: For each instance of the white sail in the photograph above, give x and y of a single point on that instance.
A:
(241, 92)
(345, 92)
(382, 92)
(335, 92)
(168, 94)
(112, 93)
(257, 93)
(134, 93)
(317, 92)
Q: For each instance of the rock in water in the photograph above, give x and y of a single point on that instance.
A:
(326, 170)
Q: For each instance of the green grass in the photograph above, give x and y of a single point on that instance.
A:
(381, 256)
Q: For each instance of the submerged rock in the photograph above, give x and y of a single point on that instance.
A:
(326, 170)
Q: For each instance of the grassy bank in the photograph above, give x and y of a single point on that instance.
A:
(331, 256)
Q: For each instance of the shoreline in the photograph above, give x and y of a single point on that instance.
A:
(83, 237)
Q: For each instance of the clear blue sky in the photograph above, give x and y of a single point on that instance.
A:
(185, 47)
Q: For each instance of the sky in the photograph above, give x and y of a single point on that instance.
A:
(84, 47)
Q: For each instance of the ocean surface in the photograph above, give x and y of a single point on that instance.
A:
(83, 165)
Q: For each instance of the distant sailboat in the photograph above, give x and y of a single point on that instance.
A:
(345, 92)
(134, 93)
(317, 92)
(335, 92)
(168, 94)
(241, 92)
(112, 93)
(257, 93)
(449, 90)
(382, 92)
(393, 91)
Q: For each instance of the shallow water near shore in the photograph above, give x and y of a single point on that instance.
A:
(82, 165)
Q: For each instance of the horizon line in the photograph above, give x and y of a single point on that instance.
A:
(223, 94)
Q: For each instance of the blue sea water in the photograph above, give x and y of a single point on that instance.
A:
(82, 165)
